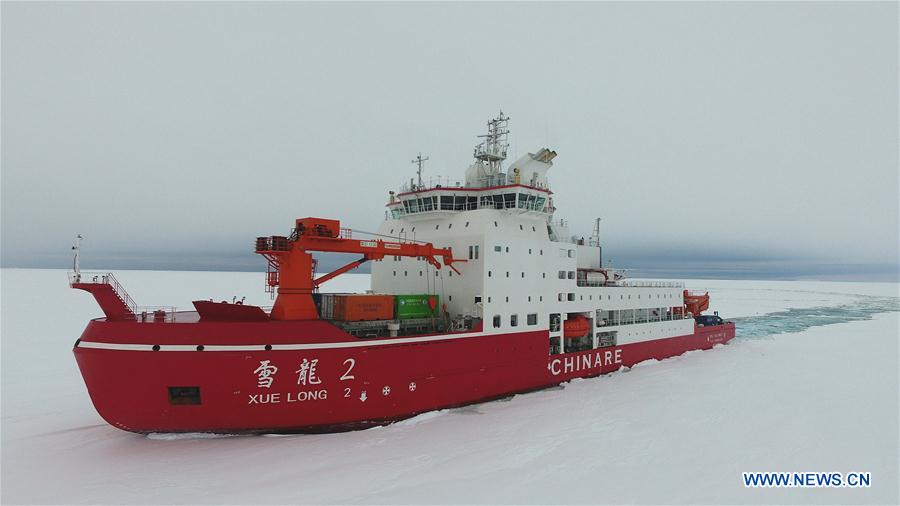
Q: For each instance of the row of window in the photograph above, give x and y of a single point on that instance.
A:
(500, 249)
(530, 319)
(540, 298)
(571, 296)
(422, 273)
(436, 227)
(522, 273)
(462, 203)
(450, 225)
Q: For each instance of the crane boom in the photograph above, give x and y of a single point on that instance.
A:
(293, 266)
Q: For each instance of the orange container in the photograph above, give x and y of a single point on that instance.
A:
(354, 308)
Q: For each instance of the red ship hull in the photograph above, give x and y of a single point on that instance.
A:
(223, 377)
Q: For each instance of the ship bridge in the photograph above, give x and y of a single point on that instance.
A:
(523, 187)
(443, 199)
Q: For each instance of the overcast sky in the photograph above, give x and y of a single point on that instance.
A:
(172, 134)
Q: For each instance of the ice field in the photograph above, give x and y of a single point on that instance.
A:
(810, 384)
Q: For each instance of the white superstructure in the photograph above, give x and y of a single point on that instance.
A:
(523, 269)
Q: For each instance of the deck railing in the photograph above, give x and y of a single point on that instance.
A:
(105, 278)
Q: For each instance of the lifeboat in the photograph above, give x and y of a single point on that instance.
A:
(696, 302)
(576, 326)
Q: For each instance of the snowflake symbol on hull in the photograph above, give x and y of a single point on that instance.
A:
(412, 386)
(386, 391)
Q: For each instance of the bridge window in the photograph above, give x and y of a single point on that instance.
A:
(562, 274)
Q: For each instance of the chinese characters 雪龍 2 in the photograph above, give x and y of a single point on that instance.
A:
(265, 374)
(306, 375)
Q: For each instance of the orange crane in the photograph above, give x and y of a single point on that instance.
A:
(292, 267)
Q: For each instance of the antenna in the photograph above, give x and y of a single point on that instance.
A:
(420, 162)
(76, 265)
(495, 144)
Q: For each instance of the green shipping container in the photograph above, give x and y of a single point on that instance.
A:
(416, 306)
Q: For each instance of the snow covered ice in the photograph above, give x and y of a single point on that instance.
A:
(810, 384)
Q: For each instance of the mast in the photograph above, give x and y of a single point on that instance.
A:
(76, 264)
(421, 163)
(492, 149)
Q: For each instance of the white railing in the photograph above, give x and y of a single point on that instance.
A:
(430, 184)
(438, 182)
(652, 284)
(104, 278)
